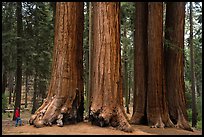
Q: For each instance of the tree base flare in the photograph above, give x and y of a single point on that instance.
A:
(115, 119)
(53, 112)
(138, 119)
(182, 122)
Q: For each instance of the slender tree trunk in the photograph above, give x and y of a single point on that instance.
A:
(65, 93)
(194, 111)
(26, 91)
(90, 56)
(125, 66)
(34, 108)
(174, 63)
(10, 86)
(87, 64)
(19, 58)
(106, 100)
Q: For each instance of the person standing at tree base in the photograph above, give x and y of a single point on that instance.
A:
(17, 115)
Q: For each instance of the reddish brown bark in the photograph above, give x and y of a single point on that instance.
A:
(106, 99)
(65, 93)
(150, 105)
(174, 61)
(140, 64)
(157, 112)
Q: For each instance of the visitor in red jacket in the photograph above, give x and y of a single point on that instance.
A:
(17, 115)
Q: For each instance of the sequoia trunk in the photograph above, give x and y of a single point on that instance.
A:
(140, 64)
(106, 80)
(65, 94)
(150, 105)
(174, 58)
(157, 112)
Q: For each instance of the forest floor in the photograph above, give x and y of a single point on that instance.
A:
(83, 128)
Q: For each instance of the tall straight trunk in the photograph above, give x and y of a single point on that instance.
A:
(90, 56)
(10, 85)
(157, 111)
(34, 107)
(27, 90)
(19, 58)
(26, 93)
(125, 66)
(150, 105)
(106, 79)
(174, 63)
(140, 64)
(194, 111)
(87, 66)
(65, 94)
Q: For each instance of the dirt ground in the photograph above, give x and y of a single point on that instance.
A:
(85, 128)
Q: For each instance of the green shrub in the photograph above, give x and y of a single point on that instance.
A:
(189, 112)
(199, 124)
(199, 108)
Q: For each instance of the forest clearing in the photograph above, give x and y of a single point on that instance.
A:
(84, 128)
(102, 68)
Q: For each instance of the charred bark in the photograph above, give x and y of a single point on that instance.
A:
(106, 79)
(65, 94)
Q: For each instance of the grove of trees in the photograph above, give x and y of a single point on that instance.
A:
(104, 60)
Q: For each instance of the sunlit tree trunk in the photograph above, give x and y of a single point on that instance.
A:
(65, 93)
(106, 80)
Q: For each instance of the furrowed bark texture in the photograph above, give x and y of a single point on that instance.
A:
(65, 93)
(150, 106)
(157, 115)
(159, 99)
(106, 98)
(174, 61)
(140, 64)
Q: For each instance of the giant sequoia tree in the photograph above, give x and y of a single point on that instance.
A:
(174, 63)
(65, 93)
(140, 64)
(149, 83)
(159, 92)
(106, 106)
